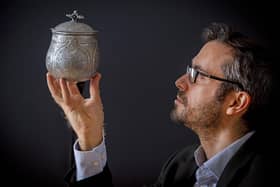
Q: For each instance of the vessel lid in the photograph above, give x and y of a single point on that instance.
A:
(73, 26)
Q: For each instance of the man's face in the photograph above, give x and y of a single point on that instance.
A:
(196, 104)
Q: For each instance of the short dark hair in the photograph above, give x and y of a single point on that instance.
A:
(251, 66)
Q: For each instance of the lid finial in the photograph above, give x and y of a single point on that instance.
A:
(75, 16)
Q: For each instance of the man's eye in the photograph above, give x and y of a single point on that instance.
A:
(200, 76)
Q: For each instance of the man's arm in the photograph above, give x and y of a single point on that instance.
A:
(86, 117)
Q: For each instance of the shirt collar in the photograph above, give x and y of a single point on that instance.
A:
(219, 161)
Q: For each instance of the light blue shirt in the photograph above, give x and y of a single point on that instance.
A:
(209, 171)
(90, 163)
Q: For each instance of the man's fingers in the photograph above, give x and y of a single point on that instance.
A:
(73, 88)
(64, 90)
(94, 87)
(53, 87)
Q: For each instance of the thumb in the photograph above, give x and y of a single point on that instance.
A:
(94, 87)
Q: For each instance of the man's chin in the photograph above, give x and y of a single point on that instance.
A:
(175, 116)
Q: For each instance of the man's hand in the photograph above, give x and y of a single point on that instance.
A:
(84, 114)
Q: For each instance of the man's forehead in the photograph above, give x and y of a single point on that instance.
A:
(212, 56)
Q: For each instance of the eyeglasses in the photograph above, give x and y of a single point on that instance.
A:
(193, 73)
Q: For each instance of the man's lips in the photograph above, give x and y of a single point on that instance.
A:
(179, 100)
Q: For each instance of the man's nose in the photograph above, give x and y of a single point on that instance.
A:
(181, 82)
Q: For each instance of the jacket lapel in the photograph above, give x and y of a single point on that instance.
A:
(185, 175)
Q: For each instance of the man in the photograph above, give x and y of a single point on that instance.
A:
(219, 98)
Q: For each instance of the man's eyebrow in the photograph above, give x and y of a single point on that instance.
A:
(198, 67)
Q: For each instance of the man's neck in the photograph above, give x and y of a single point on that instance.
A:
(214, 142)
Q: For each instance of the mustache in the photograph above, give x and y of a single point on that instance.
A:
(181, 95)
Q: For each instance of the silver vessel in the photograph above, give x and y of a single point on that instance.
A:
(73, 53)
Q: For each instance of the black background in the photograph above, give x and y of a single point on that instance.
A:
(144, 45)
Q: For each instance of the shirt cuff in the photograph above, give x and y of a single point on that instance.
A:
(89, 163)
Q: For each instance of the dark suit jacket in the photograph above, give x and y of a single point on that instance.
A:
(249, 167)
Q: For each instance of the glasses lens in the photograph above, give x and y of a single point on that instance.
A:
(191, 73)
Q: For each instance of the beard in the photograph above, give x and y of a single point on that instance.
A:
(203, 116)
(178, 115)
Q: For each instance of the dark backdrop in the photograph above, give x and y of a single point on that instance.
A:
(144, 47)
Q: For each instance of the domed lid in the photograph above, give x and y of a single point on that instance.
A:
(73, 26)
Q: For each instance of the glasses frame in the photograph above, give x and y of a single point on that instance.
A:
(192, 73)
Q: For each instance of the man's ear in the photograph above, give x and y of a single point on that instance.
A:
(239, 103)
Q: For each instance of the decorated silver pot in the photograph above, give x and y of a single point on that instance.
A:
(73, 53)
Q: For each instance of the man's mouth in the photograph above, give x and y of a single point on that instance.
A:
(178, 100)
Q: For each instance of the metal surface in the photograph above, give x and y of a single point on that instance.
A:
(73, 53)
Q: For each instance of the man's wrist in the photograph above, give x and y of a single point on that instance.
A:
(89, 141)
